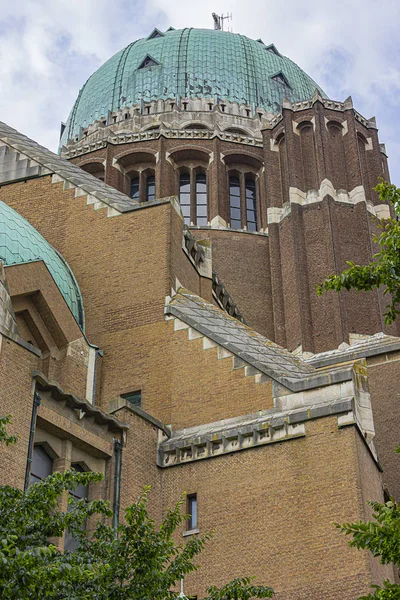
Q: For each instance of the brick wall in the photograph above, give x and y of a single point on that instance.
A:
(242, 262)
(383, 377)
(16, 399)
(273, 511)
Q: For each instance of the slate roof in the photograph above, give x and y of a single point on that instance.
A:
(379, 343)
(7, 316)
(21, 243)
(253, 348)
(52, 163)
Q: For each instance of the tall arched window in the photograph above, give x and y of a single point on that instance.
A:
(42, 465)
(135, 188)
(150, 188)
(251, 205)
(184, 196)
(234, 202)
(81, 492)
(201, 199)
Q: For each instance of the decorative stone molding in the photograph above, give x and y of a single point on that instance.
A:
(218, 223)
(296, 125)
(343, 124)
(382, 211)
(198, 252)
(164, 118)
(224, 299)
(14, 165)
(251, 431)
(296, 196)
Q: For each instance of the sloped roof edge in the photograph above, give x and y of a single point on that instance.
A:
(74, 402)
(68, 171)
(253, 348)
(380, 343)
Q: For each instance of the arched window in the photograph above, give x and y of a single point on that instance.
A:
(79, 493)
(234, 202)
(201, 199)
(150, 188)
(135, 188)
(42, 465)
(184, 196)
(251, 205)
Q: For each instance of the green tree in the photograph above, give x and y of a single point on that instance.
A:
(381, 537)
(141, 561)
(384, 270)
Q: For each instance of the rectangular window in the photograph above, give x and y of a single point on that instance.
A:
(234, 201)
(134, 398)
(201, 199)
(184, 196)
(42, 465)
(150, 188)
(251, 207)
(192, 512)
(135, 188)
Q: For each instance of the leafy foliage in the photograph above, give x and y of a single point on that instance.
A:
(139, 561)
(382, 538)
(385, 268)
(4, 437)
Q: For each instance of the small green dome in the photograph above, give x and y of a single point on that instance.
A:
(21, 243)
(190, 63)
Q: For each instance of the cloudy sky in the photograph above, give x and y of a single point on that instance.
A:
(48, 48)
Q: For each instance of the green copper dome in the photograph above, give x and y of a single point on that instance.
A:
(20, 243)
(196, 63)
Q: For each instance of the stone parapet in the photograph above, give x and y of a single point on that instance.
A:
(251, 431)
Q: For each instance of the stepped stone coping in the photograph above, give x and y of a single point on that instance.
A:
(255, 349)
(248, 431)
(53, 164)
(73, 402)
(380, 343)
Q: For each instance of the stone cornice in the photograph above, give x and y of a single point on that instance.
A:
(250, 431)
(355, 196)
(184, 134)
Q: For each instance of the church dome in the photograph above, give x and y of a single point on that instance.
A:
(190, 63)
(21, 243)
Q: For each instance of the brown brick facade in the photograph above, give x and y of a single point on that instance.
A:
(273, 507)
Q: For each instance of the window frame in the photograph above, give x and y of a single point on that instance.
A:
(247, 180)
(200, 173)
(233, 175)
(149, 176)
(187, 194)
(38, 478)
(135, 178)
(192, 526)
(129, 397)
(249, 219)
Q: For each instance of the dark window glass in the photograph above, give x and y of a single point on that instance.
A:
(42, 465)
(234, 201)
(201, 199)
(192, 511)
(184, 196)
(150, 188)
(135, 188)
(134, 398)
(251, 206)
(79, 493)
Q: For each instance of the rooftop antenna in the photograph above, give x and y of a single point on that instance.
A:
(219, 20)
